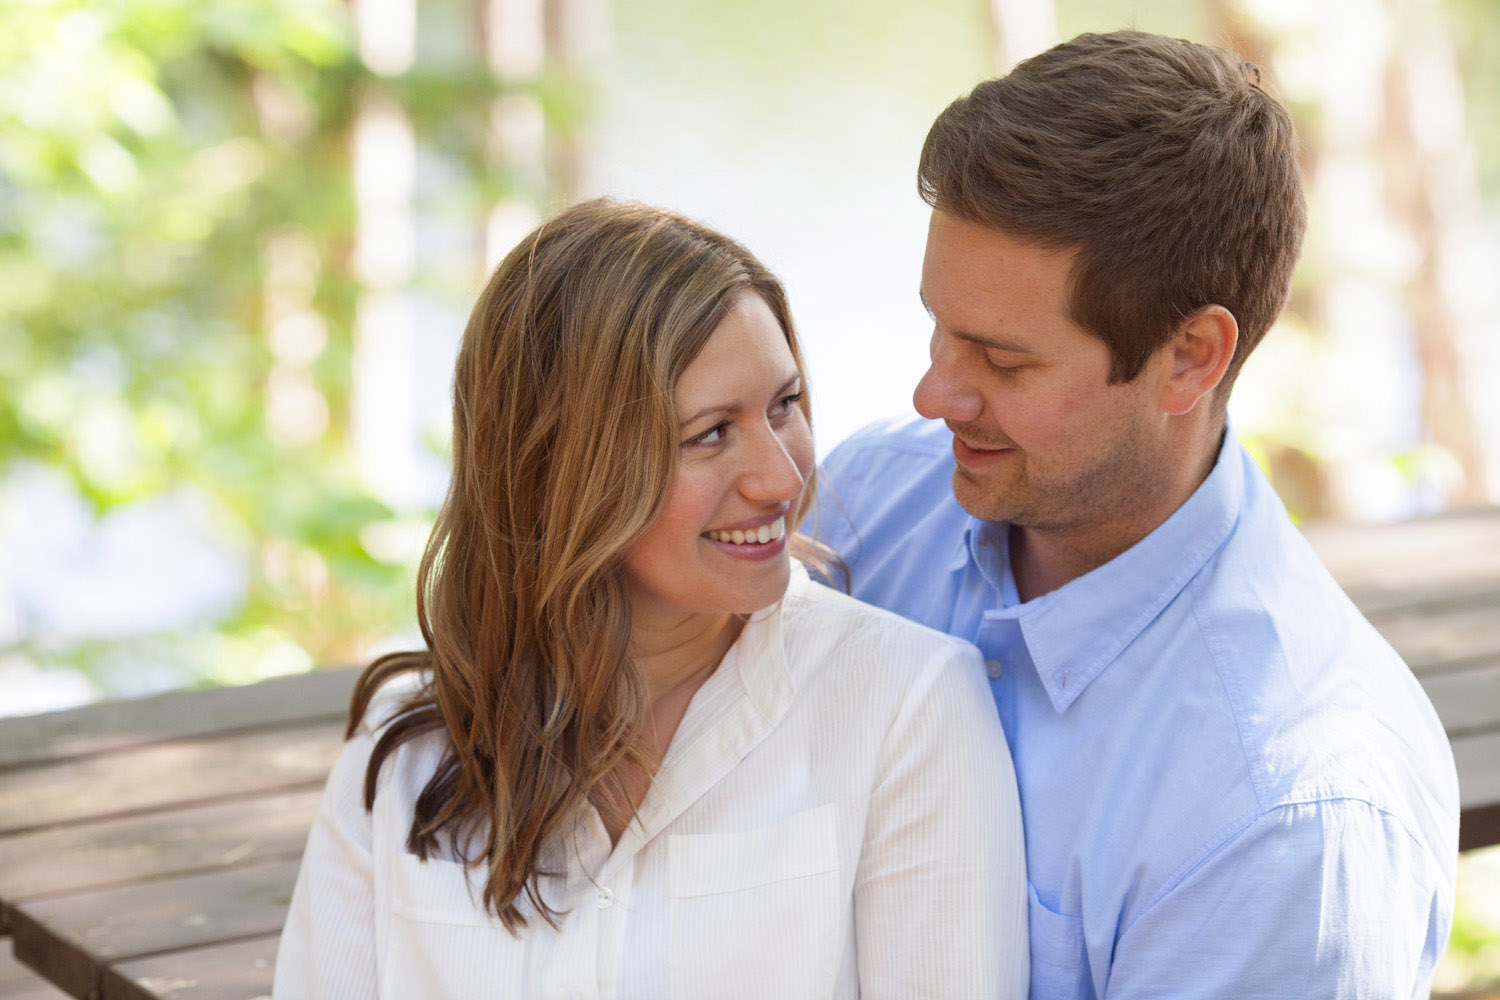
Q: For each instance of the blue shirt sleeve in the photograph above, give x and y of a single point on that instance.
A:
(1327, 899)
(841, 483)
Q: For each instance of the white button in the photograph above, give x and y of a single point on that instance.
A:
(606, 899)
(994, 668)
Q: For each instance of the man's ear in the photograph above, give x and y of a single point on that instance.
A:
(1197, 357)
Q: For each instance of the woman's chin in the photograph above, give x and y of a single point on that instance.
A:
(772, 579)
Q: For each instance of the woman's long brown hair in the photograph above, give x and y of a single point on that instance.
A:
(565, 442)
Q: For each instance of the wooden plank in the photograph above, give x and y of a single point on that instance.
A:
(1444, 636)
(242, 970)
(75, 974)
(70, 938)
(1468, 701)
(156, 777)
(1391, 565)
(1478, 773)
(1479, 827)
(115, 725)
(17, 982)
(174, 841)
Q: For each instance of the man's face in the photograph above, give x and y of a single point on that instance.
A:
(1041, 438)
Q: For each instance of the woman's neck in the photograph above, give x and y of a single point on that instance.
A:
(676, 653)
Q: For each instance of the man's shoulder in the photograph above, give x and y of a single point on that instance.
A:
(889, 468)
(886, 507)
(835, 617)
(893, 440)
(1313, 689)
(1261, 679)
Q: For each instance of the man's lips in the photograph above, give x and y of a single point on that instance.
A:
(977, 455)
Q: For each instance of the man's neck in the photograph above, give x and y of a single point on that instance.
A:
(1044, 559)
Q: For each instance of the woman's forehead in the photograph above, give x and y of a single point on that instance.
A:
(746, 358)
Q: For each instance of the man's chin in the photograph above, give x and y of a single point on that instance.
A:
(980, 497)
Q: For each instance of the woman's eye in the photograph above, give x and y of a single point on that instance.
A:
(713, 435)
(786, 403)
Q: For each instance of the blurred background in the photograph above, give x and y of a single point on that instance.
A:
(239, 240)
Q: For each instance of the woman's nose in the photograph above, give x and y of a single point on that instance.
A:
(946, 391)
(772, 472)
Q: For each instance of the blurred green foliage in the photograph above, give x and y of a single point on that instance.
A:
(150, 151)
(1474, 26)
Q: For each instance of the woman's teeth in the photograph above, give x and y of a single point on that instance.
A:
(756, 536)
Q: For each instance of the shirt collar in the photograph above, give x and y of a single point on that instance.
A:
(761, 652)
(1076, 631)
(737, 707)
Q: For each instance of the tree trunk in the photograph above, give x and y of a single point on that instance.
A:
(1433, 190)
(384, 162)
(1022, 28)
(574, 33)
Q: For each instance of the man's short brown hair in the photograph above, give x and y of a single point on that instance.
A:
(1159, 162)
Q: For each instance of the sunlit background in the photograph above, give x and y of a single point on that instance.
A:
(238, 242)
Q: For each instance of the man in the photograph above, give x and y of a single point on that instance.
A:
(1232, 786)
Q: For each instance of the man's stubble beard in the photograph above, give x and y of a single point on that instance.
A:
(1113, 484)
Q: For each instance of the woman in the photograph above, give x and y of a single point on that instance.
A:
(643, 755)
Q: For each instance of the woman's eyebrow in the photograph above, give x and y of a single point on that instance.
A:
(733, 408)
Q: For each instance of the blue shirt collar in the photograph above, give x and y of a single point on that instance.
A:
(1076, 631)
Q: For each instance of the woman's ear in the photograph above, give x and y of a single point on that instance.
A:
(1197, 357)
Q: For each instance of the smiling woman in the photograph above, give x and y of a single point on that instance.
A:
(719, 544)
(644, 750)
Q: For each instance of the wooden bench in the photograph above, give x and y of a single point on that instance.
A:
(148, 848)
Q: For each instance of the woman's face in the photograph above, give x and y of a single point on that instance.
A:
(746, 454)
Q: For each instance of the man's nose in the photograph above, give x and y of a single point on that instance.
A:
(946, 391)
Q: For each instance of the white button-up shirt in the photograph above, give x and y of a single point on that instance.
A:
(836, 816)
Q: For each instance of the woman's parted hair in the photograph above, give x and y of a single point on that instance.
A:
(1160, 162)
(565, 443)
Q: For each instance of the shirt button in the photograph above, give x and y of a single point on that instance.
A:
(994, 668)
(606, 898)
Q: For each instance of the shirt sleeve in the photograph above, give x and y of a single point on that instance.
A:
(328, 943)
(840, 483)
(1321, 899)
(940, 894)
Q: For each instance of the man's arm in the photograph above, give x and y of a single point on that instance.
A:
(1317, 899)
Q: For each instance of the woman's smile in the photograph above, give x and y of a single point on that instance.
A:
(764, 542)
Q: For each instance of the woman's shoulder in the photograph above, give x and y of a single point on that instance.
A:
(403, 767)
(908, 682)
(821, 621)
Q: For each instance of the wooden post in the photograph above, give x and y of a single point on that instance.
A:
(1022, 28)
(1432, 187)
(384, 157)
(573, 38)
(515, 50)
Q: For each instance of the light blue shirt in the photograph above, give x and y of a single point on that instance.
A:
(1231, 784)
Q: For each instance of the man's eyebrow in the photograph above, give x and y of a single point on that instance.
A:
(729, 409)
(983, 340)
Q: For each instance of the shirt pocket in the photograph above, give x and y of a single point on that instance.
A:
(1058, 962)
(756, 914)
(442, 943)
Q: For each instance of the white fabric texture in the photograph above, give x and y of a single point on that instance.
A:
(836, 817)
